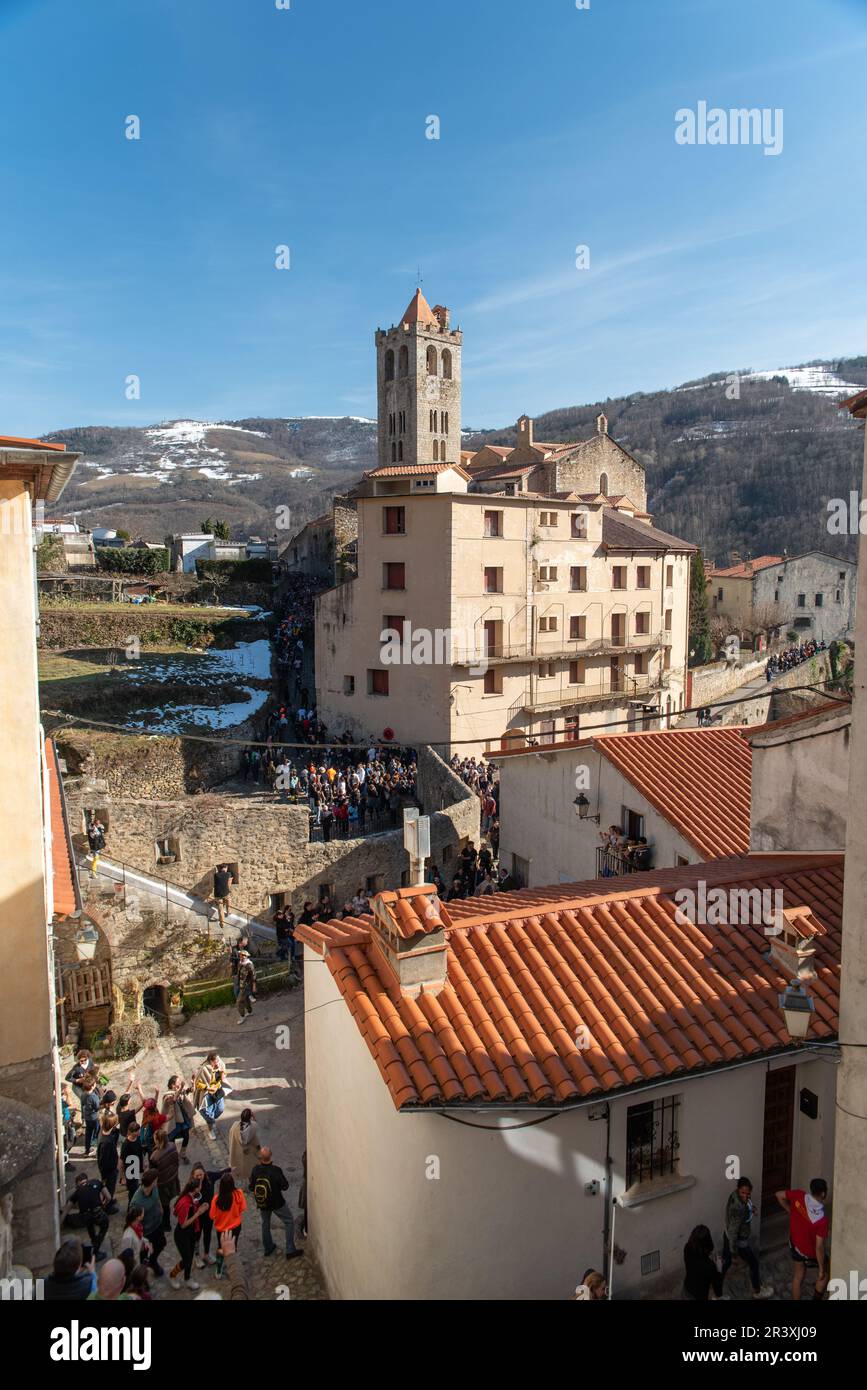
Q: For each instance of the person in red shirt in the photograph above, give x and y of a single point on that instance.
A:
(808, 1232)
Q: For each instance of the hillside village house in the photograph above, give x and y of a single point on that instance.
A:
(38, 885)
(547, 608)
(686, 791)
(811, 594)
(326, 547)
(653, 1054)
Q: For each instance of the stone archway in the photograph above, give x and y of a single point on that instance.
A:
(156, 1002)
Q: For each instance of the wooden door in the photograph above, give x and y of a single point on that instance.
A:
(777, 1146)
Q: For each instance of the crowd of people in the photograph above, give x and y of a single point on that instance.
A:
(706, 1267)
(141, 1149)
(792, 656)
(624, 855)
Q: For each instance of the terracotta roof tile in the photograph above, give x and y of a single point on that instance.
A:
(748, 567)
(699, 779)
(61, 864)
(658, 997)
(407, 470)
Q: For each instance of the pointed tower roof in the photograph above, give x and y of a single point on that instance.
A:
(418, 310)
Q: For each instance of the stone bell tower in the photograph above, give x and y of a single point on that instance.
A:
(418, 384)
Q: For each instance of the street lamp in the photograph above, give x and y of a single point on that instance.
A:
(86, 942)
(582, 807)
(797, 1007)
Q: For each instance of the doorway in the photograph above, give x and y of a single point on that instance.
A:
(777, 1141)
(155, 1001)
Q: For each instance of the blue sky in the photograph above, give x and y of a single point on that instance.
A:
(306, 127)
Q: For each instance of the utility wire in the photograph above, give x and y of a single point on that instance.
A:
(75, 719)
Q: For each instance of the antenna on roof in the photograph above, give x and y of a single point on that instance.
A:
(419, 280)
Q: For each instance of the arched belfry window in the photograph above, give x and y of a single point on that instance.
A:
(389, 365)
(436, 451)
(603, 484)
(394, 453)
(403, 361)
(432, 361)
(447, 364)
(400, 451)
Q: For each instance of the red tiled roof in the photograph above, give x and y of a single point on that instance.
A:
(401, 470)
(418, 310)
(856, 405)
(61, 864)
(658, 998)
(748, 567)
(12, 441)
(699, 779)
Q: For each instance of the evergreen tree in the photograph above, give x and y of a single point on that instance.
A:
(700, 646)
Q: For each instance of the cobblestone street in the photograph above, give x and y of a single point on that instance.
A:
(265, 1074)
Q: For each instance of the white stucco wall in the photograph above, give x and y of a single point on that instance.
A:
(538, 821)
(508, 1217)
(800, 783)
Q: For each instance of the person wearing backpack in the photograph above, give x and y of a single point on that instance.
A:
(267, 1184)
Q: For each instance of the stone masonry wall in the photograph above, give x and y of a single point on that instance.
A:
(268, 840)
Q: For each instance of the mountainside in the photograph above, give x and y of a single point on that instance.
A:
(169, 477)
(751, 474)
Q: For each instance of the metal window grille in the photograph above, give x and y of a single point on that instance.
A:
(650, 1263)
(652, 1140)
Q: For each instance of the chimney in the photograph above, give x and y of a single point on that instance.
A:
(409, 927)
(525, 432)
(601, 423)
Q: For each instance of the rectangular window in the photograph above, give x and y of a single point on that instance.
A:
(802, 600)
(377, 682)
(547, 518)
(642, 577)
(667, 620)
(374, 883)
(547, 669)
(394, 575)
(641, 666)
(394, 624)
(839, 596)
(719, 593)
(349, 685)
(493, 580)
(577, 672)
(669, 576)
(818, 600)
(642, 624)
(666, 658)
(618, 577)
(494, 681)
(394, 521)
(548, 624)
(493, 523)
(520, 871)
(579, 526)
(631, 823)
(652, 1140)
(547, 574)
(578, 627)
(570, 726)
(578, 579)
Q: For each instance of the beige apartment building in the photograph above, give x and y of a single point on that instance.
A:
(37, 881)
(544, 606)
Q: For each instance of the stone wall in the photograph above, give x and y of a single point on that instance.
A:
(773, 701)
(719, 678)
(112, 625)
(266, 839)
(152, 766)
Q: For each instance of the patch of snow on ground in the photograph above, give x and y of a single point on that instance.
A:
(820, 380)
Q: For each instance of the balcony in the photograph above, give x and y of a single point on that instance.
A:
(603, 692)
(566, 648)
(611, 863)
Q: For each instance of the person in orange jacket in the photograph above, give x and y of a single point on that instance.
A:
(227, 1209)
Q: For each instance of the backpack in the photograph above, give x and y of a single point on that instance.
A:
(147, 1136)
(262, 1192)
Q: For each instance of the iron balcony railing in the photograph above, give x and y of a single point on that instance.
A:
(499, 652)
(610, 863)
(628, 688)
